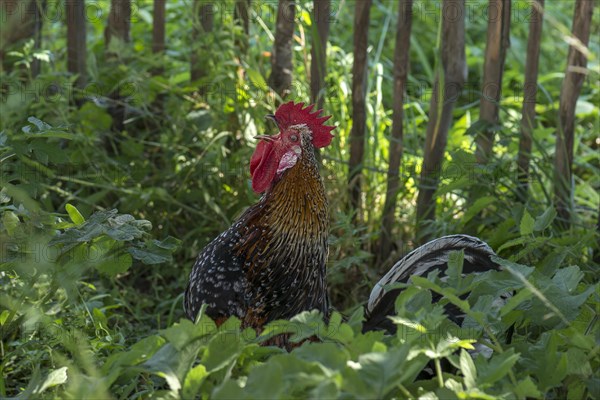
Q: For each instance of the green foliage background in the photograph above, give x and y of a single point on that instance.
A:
(99, 229)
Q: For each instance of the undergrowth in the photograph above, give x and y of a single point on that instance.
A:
(99, 229)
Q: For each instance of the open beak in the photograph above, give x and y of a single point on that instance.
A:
(266, 138)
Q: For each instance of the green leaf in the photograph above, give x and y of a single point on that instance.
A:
(10, 222)
(336, 330)
(376, 374)
(114, 265)
(185, 331)
(427, 284)
(550, 368)
(577, 362)
(169, 243)
(256, 78)
(148, 257)
(4, 316)
(139, 352)
(477, 206)
(222, 350)
(41, 125)
(527, 389)
(329, 355)
(514, 301)
(467, 367)
(301, 326)
(544, 220)
(512, 243)
(455, 267)
(54, 378)
(193, 381)
(173, 365)
(498, 366)
(527, 223)
(568, 278)
(267, 381)
(74, 214)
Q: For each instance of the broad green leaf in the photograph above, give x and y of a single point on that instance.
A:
(115, 264)
(411, 300)
(222, 350)
(489, 372)
(365, 343)
(527, 389)
(193, 381)
(543, 358)
(173, 365)
(544, 220)
(554, 371)
(329, 355)
(300, 327)
(181, 333)
(169, 243)
(568, 278)
(512, 274)
(427, 284)
(54, 378)
(516, 300)
(336, 330)
(577, 389)
(453, 385)
(41, 125)
(139, 352)
(10, 222)
(267, 381)
(375, 374)
(527, 224)
(356, 319)
(578, 362)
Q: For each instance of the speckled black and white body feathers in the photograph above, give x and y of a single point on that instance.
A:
(270, 264)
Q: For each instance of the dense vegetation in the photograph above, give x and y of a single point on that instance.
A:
(99, 227)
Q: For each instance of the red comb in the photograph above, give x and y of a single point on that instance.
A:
(289, 114)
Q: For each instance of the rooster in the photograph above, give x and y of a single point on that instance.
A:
(270, 264)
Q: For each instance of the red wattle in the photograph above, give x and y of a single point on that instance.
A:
(263, 166)
(257, 156)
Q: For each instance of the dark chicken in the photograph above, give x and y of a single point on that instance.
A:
(270, 264)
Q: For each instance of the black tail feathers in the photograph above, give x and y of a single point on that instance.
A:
(432, 255)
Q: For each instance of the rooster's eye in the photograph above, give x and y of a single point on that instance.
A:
(294, 138)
